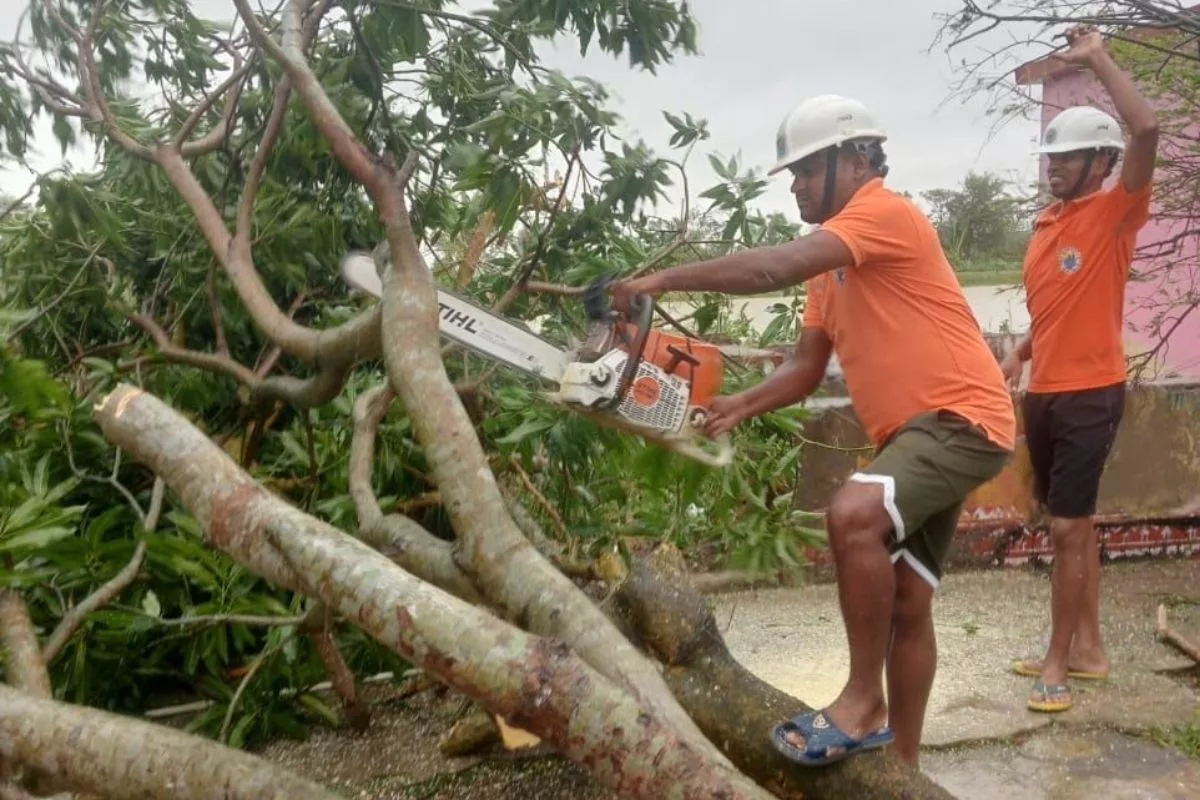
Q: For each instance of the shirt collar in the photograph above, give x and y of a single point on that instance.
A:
(1059, 210)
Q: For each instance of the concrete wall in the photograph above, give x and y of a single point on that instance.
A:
(1172, 274)
(1154, 469)
(1149, 494)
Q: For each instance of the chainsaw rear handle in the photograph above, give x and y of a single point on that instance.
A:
(641, 308)
(640, 315)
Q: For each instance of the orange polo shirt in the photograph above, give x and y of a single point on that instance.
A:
(900, 324)
(1076, 267)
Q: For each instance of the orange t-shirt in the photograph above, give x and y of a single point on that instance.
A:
(900, 324)
(1075, 270)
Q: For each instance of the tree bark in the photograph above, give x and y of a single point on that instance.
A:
(659, 606)
(502, 563)
(731, 705)
(535, 683)
(318, 627)
(26, 669)
(508, 571)
(122, 758)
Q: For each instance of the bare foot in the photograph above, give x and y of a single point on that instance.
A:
(1077, 667)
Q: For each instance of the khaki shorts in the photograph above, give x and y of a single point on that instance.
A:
(927, 469)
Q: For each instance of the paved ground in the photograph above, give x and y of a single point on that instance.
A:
(983, 742)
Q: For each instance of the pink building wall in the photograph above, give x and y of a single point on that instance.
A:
(1166, 276)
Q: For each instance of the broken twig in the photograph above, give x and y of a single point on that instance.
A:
(1166, 634)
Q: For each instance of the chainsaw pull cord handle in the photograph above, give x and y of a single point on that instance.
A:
(641, 314)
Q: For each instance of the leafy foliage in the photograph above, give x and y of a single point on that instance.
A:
(982, 220)
(521, 170)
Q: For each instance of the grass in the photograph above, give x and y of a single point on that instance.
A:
(1184, 738)
(981, 277)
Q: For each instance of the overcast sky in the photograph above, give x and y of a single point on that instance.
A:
(757, 59)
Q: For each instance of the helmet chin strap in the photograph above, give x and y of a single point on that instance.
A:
(831, 160)
(1088, 160)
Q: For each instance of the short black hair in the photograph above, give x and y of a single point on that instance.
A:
(873, 150)
(1114, 158)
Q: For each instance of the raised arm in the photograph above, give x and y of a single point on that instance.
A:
(1087, 49)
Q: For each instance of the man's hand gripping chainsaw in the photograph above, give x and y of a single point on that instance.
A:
(625, 375)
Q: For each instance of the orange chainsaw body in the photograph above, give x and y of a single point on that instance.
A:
(698, 363)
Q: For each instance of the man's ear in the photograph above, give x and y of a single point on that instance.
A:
(862, 166)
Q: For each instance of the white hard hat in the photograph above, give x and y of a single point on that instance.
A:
(820, 122)
(1081, 128)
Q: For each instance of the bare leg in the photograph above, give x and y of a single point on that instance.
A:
(1087, 650)
(857, 524)
(1068, 586)
(912, 662)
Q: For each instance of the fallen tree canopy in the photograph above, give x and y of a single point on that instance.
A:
(638, 689)
(533, 683)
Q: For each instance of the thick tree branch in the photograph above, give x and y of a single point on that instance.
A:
(533, 682)
(26, 671)
(123, 758)
(25, 667)
(492, 548)
(369, 410)
(674, 621)
(397, 537)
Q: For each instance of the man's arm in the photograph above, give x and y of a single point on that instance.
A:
(1024, 348)
(758, 270)
(1131, 106)
(794, 379)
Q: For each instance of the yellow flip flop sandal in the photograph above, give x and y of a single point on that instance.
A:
(1026, 668)
(1050, 699)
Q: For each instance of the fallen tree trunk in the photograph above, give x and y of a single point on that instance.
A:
(659, 606)
(127, 759)
(536, 683)
(733, 707)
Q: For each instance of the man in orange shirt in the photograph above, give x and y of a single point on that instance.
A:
(1075, 271)
(923, 382)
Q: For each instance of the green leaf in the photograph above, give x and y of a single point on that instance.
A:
(150, 604)
(526, 430)
(35, 538)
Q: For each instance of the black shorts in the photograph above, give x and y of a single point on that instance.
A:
(1069, 435)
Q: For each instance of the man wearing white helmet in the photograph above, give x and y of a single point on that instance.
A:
(923, 382)
(1076, 267)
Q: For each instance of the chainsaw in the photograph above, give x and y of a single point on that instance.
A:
(624, 374)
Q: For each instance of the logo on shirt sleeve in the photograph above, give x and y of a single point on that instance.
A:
(1070, 260)
(839, 275)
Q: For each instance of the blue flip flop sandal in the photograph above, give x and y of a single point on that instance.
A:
(824, 742)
